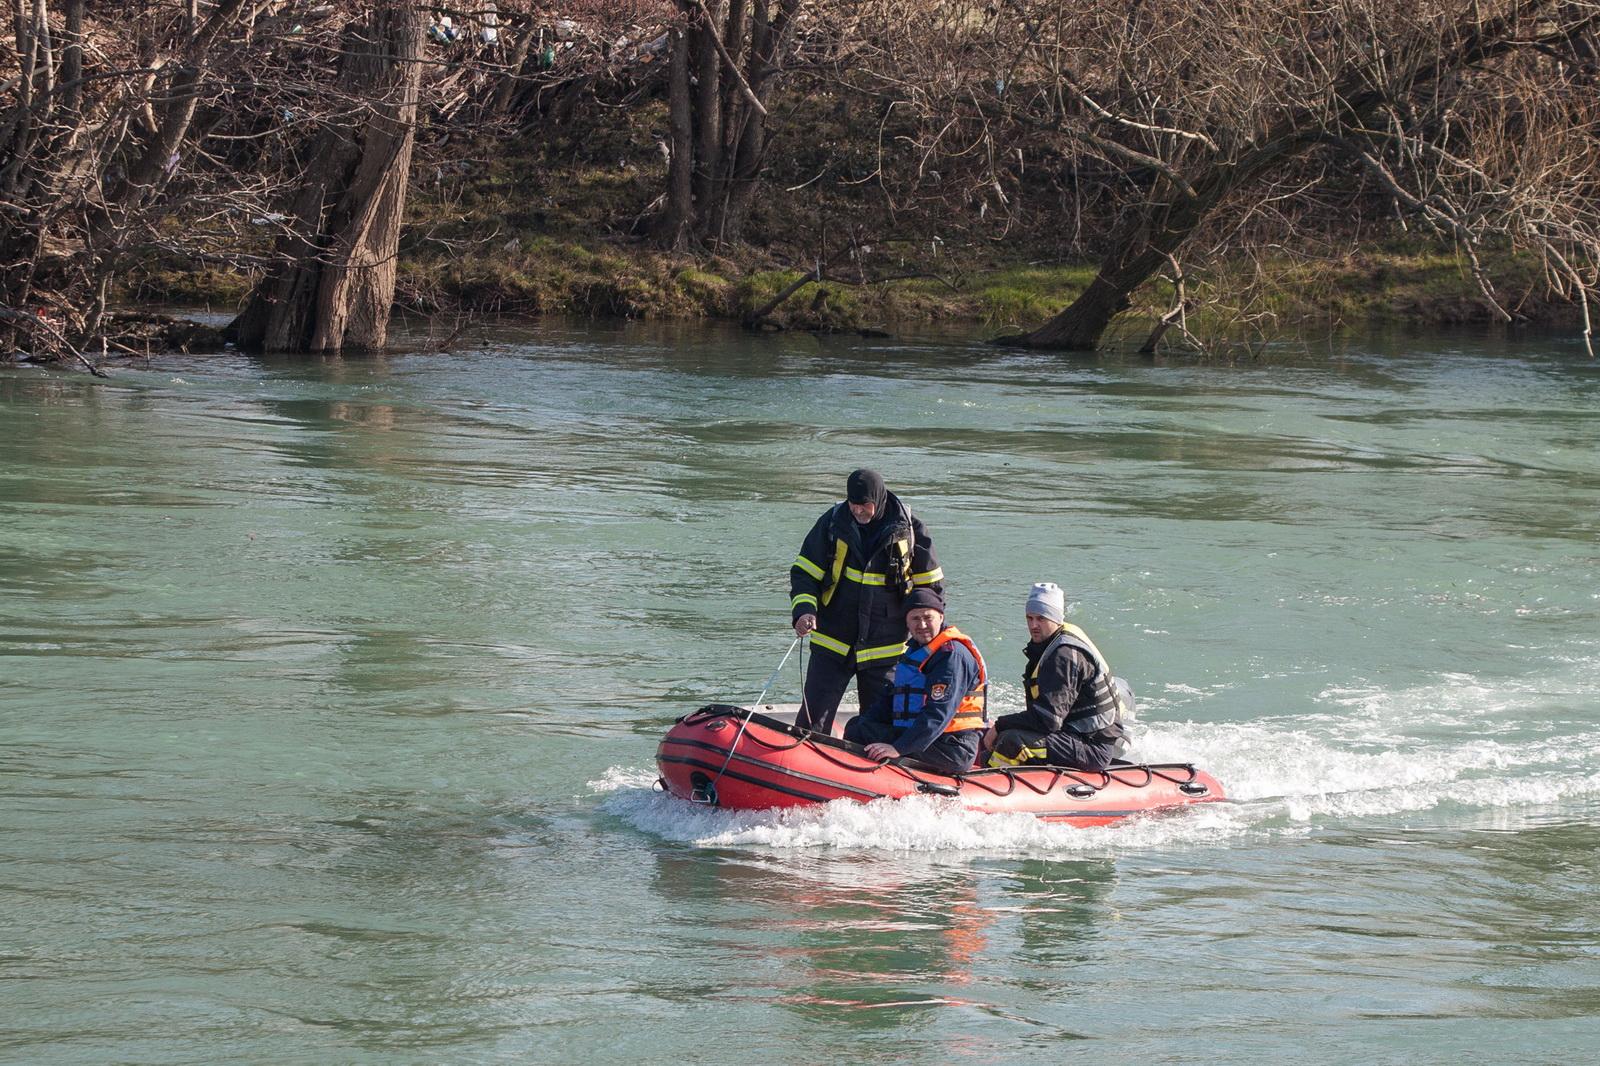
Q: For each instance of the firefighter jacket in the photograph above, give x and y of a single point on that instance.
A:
(853, 578)
(1069, 687)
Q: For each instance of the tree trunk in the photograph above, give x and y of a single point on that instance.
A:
(72, 57)
(1136, 254)
(179, 99)
(1082, 326)
(719, 128)
(672, 225)
(20, 230)
(708, 111)
(511, 81)
(334, 288)
(746, 141)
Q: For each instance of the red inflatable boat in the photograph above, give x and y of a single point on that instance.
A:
(739, 759)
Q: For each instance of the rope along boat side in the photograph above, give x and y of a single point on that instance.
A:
(738, 759)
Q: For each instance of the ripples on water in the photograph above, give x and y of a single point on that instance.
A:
(331, 691)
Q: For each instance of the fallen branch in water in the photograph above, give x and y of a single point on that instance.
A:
(27, 317)
(1178, 317)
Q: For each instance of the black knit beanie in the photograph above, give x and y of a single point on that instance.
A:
(866, 486)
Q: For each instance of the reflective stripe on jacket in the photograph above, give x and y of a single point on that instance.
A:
(855, 595)
(911, 685)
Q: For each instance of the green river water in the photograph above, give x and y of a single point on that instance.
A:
(330, 691)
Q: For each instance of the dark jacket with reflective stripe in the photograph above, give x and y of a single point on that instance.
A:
(1069, 692)
(952, 666)
(864, 614)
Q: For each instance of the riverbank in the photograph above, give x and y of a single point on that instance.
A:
(532, 226)
(545, 275)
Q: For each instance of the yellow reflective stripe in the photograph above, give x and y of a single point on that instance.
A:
(804, 597)
(840, 550)
(997, 760)
(884, 651)
(808, 566)
(1099, 660)
(867, 577)
(936, 574)
(822, 640)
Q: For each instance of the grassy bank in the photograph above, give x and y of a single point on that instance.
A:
(546, 224)
(547, 275)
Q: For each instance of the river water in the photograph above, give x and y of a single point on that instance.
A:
(330, 693)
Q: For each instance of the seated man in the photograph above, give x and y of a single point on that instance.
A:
(934, 710)
(1075, 707)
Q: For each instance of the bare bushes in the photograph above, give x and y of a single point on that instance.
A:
(1180, 127)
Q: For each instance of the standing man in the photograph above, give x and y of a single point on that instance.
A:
(935, 711)
(1075, 707)
(856, 567)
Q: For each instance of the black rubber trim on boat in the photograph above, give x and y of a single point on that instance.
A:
(697, 764)
(807, 736)
(814, 779)
(773, 785)
(1121, 773)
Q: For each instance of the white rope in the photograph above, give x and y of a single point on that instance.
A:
(774, 676)
(745, 719)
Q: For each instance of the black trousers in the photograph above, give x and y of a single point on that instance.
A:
(951, 752)
(1064, 748)
(826, 679)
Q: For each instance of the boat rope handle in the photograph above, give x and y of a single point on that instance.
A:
(1189, 766)
(976, 777)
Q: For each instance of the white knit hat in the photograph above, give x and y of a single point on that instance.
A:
(1047, 599)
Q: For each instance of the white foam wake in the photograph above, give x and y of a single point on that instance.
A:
(917, 823)
(1357, 753)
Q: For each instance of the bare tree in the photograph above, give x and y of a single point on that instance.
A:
(234, 134)
(1479, 116)
(725, 58)
(96, 133)
(332, 286)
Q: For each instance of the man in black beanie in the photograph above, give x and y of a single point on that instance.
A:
(847, 588)
(935, 710)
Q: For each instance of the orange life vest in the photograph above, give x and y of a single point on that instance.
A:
(911, 686)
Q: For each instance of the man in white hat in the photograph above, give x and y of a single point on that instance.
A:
(1074, 709)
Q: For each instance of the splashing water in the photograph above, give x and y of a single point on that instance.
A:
(1280, 777)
